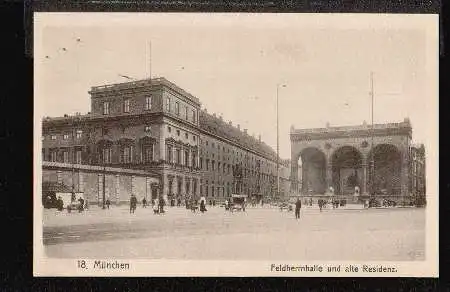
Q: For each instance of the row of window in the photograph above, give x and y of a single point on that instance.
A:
(126, 105)
(186, 134)
(79, 133)
(173, 155)
(193, 112)
(65, 136)
(239, 154)
(126, 155)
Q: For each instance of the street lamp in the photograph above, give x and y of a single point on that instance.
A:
(278, 142)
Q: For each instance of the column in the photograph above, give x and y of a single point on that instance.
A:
(80, 182)
(166, 185)
(132, 185)
(100, 188)
(174, 153)
(117, 189)
(329, 174)
(162, 144)
(305, 178)
(364, 188)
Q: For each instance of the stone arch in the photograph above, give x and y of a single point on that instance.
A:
(385, 170)
(313, 170)
(347, 169)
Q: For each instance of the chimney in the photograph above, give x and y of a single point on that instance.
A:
(259, 138)
(364, 123)
(220, 117)
(239, 127)
(214, 114)
(245, 131)
(328, 124)
(230, 123)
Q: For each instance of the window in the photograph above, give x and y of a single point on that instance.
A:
(169, 129)
(127, 154)
(78, 157)
(126, 106)
(66, 136)
(79, 133)
(186, 157)
(148, 103)
(107, 153)
(213, 165)
(178, 156)
(194, 116)
(201, 163)
(186, 135)
(218, 166)
(194, 159)
(193, 138)
(168, 104)
(53, 156)
(177, 108)
(106, 108)
(186, 112)
(53, 137)
(212, 191)
(207, 164)
(148, 153)
(148, 129)
(169, 154)
(178, 132)
(66, 157)
(206, 143)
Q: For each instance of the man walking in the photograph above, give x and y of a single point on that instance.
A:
(298, 206)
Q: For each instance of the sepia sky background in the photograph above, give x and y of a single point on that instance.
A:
(233, 63)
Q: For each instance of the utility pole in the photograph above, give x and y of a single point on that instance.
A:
(372, 160)
(278, 141)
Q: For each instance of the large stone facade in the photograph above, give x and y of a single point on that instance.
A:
(157, 127)
(372, 160)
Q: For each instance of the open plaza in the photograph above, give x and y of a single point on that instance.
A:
(259, 233)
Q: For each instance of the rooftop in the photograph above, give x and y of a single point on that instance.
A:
(217, 126)
(405, 124)
(142, 84)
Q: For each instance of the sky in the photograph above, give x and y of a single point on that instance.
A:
(234, 62)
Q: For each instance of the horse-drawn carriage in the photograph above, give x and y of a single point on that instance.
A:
(236, 203)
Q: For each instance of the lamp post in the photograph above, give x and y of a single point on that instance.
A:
(372, 160)
(278, 141)
(104, 179)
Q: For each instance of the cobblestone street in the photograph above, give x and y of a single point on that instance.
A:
(258, 234)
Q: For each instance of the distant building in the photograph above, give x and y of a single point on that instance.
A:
(379, 161)
(159, 128)
(417, 169)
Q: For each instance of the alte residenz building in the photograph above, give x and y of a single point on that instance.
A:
(152, 138)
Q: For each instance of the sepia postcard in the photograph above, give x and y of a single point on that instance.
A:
(288, 145)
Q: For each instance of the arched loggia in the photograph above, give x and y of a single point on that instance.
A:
(313, 171)
(347, 171)
(385, 170)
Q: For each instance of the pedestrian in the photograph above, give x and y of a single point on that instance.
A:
(214, 203)
(86, 204)
(81, 205)
(144, 203)
(161, 205)
(320, 203)
(155, 206)
(202, 206)
(298, 206)
(133, 203)
(60, 204)
(108, 202)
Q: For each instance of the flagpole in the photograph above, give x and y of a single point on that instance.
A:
(150, 62)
